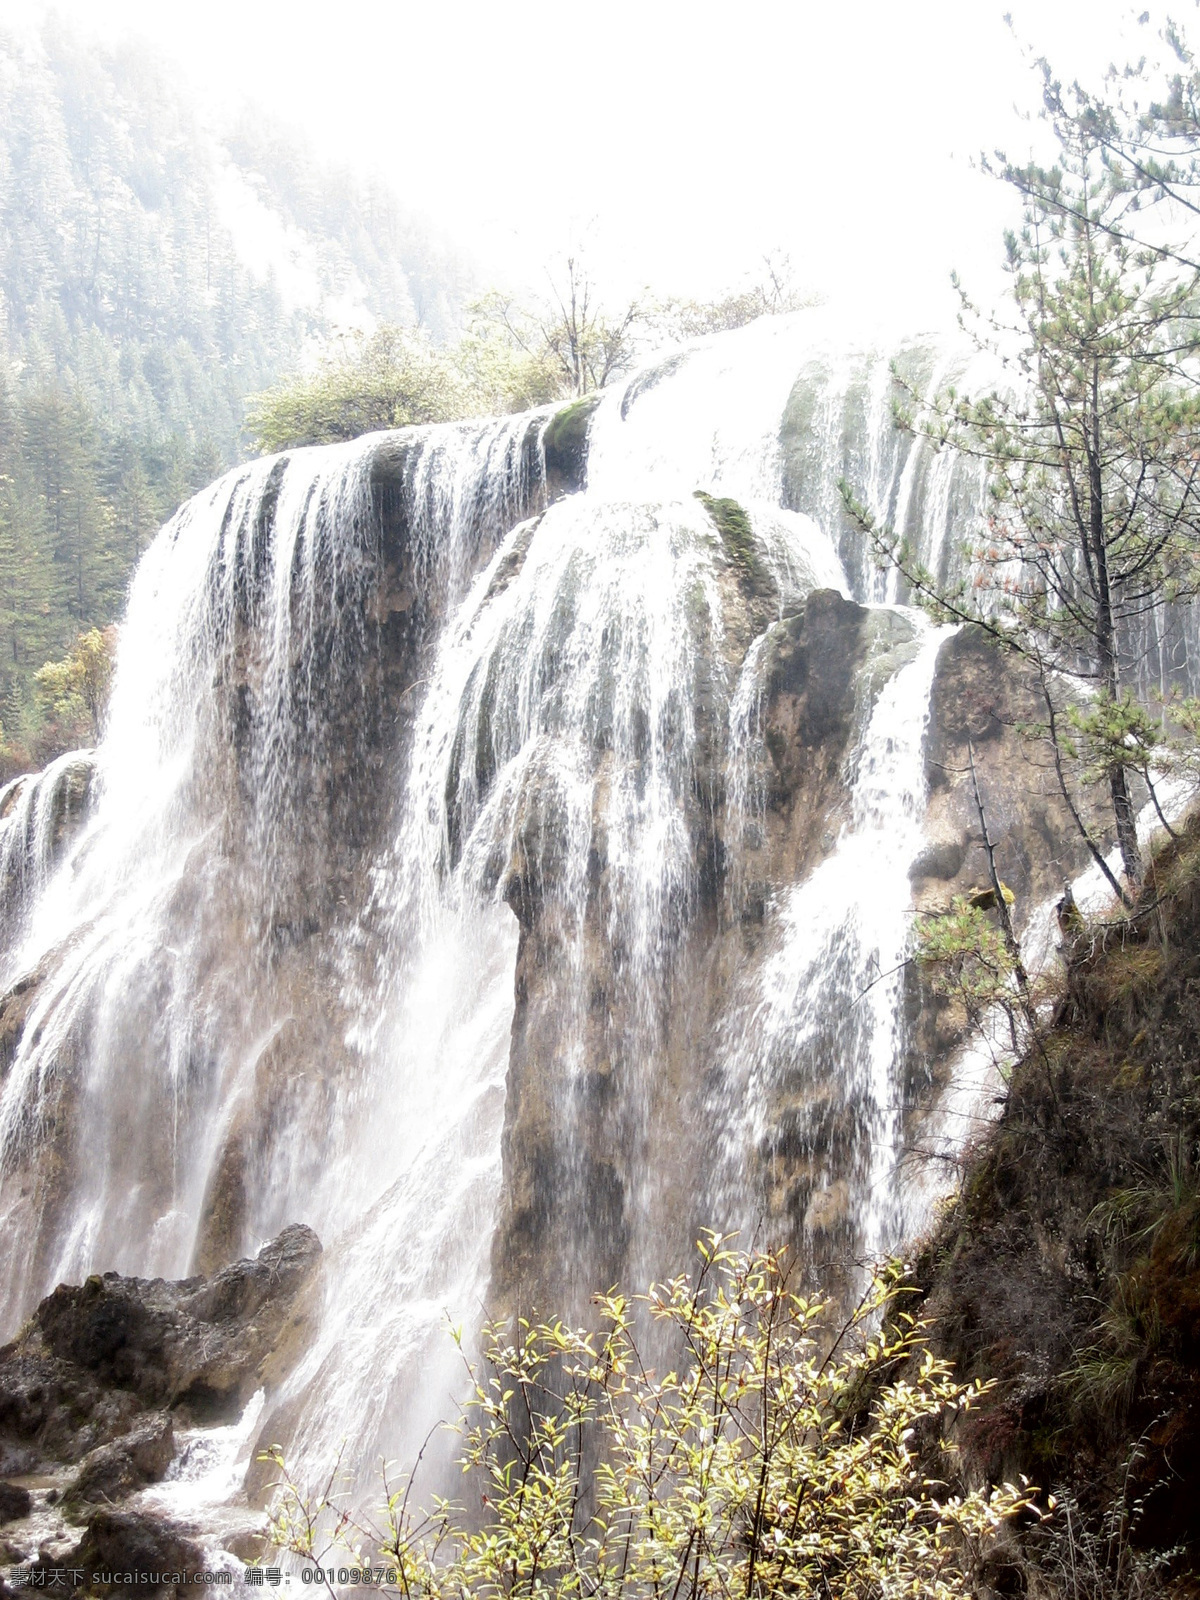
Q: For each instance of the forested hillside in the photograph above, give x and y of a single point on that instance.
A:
(152, 275)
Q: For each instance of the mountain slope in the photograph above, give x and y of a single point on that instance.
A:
(1068, 1269)
(153, 273)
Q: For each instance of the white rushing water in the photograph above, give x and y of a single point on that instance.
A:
(174, 1003)
(820, 1030)
(33, 810)
(276, 963)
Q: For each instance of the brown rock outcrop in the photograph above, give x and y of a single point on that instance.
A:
(983, 697)
(97, 1366)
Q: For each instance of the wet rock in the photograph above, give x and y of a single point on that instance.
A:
(51, 1410)
(249, 1543)
(195, 1345)
(737, 537)
(223, 1213)
(15, 1007)
(809, 694)
(116, 1470)
(982, 696)
(827, 1209)
(11, 794)
(95, 1359)
(71, 799)
(564, 444)
(15, 1502)
(15, 1462)
(40, 815)
(941, 859)
(123, 1551)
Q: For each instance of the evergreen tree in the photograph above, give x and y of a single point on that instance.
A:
(26, 625)
(1093, 460)
(60, 447)
(131, 329)
(135, 510)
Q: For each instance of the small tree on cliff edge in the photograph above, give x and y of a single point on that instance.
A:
(582, 341)
(1092, 455)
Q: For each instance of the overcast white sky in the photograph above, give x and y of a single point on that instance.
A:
(685, 139)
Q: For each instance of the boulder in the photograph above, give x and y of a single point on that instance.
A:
(118, 1469)
(102, 1370)
(196, 1346)
(15, 1502)
(123, 1551)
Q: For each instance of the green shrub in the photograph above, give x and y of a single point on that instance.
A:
(772, 1457)
(74, 691)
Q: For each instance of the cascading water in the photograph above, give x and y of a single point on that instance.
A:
(36, 812)
(188, 1077)
(372, 701)
(821, 1029)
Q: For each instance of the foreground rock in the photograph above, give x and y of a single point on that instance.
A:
(95, 1359)
(122, 1551)
(115, 1470)
(95, 1386)
(15, 1502)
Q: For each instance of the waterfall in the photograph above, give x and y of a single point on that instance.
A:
(36, 811)
(816, 1047)
(435, 787)
(191, 1049)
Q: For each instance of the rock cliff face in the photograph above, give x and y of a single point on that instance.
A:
(574, 1209)
(571, 1197)
(1067, 1271)
(298, 795)
(40, 814)
(982, 698)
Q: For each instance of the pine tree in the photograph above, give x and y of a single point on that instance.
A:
(1093, 460)
(135, 510)
(25, 608)
(60, 448)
